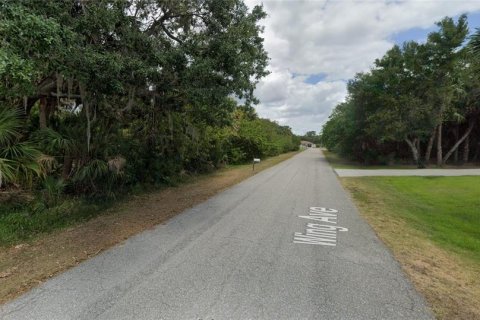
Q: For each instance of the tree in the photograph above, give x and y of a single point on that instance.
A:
(443, 47)
(466, 108)
(98, 79)
(414, 94)
(401, 110)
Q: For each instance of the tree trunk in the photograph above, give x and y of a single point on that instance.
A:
(413, 148)
(67, 166)
(86, 106)
(477, 152)
(428, 152)
(43, 113)
(466, 149)
(455, 154)
(439, 145)
(459, 142)
(420, 162)
(89, 128)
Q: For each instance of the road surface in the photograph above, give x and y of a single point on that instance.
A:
(234, 257)
(406, 172)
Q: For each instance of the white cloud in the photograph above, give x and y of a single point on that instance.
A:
(336, 38)
(291, 101)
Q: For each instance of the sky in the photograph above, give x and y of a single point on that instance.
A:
(316, 46)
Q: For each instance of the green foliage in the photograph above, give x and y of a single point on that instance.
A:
(117, 94)
(340, 133)
(52, 191)
(312, 136)
(19, 158)
(415, 95)
(260, 138)
(20, 222)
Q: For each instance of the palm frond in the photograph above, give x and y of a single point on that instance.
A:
(7, 171)
(48, 163)
(53, 141)
(21, 151)
(10, 126)
(52, 191)
(93, 170)
(475, 42)
(19, 160)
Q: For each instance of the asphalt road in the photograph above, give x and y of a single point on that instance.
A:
(234, 257)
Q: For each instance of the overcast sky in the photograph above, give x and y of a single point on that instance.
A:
(315, 46)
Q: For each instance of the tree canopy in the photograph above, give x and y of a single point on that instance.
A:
(416, 97)
(110, 93)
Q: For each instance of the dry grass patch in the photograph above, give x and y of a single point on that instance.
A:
(26, 265)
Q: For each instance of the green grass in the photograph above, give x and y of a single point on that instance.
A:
(20, 223)
(446, 209)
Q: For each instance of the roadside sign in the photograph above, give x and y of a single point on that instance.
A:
(255, 160)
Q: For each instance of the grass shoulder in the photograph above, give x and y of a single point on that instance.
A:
(432, 225)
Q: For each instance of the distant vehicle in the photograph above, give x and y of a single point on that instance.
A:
(307, 144)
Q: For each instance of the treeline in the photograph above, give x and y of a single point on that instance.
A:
(98, 96)
(419, 101)
(312, 136)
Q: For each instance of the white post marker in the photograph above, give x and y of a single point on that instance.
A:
(255, 160)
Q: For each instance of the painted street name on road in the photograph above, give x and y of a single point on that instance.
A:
(324, 233)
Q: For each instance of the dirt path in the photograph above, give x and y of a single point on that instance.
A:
(26, 265)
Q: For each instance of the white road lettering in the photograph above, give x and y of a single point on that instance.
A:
(320, 234)
(323, 219)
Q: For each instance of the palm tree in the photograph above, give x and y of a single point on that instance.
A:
(19, 159)
(475, 42)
